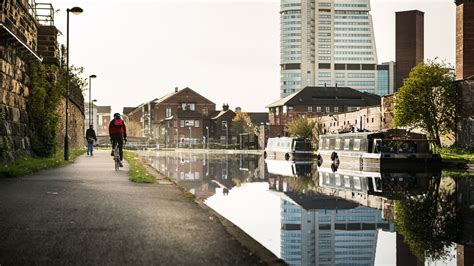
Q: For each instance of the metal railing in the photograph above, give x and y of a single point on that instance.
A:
(43, 12)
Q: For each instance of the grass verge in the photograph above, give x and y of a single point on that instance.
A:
(137, 172)
(29, 165)
(457, 155)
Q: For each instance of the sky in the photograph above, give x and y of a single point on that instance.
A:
(228, 51)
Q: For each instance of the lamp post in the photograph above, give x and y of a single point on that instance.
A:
(91, 113)
(226, 135)
(75, 10)
(207, 139)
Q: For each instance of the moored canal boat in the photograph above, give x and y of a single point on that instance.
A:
(288, 148)
(377, 151)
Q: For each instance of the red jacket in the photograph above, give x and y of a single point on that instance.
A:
(117, 126)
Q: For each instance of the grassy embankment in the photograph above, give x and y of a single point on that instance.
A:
(28, 165)
(137, 173)
(457, 155)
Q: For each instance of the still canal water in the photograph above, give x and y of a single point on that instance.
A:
(311, 216)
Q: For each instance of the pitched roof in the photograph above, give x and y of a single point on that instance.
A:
(103, 109)
(218, 114)
(328, 96)
(127, 110)
(174, 93)
(259, 118)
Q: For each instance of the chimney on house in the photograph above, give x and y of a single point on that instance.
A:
(225, 107)
(175, 89)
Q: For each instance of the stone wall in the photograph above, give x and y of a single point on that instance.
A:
(16, 16)
(76, 124)
(14, 88)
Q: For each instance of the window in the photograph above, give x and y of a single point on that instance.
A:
(168, 112)
(356, 144)
(224, 125)
(196, 123)
(310, 109)
(205, 111)
(338, 144)
(336, 109)
(328, 109)
(190, 106)
(181, 123)
(318, 109)
(347, 142)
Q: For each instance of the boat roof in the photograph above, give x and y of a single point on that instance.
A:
(388, 133)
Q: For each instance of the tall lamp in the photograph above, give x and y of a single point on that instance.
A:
(91, 113)
(75, 10)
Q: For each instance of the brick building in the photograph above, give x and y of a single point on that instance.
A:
(179, 117)
(318, 101)
(409, 43)
(464, 39)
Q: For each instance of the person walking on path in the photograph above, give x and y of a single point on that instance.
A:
(117, 133)
(90, 137)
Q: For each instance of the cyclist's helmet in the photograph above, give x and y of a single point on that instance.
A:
(117, 116)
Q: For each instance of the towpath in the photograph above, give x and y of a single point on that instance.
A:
(87, 214)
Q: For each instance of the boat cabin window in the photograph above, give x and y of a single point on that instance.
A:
(356, 145)
(347, 181)
(400, 146)
(347, 142)
(338, 144)
(301, 145)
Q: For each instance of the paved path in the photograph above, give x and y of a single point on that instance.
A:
(86, 213)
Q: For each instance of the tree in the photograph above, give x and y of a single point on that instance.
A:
(429, 222)
(301, 127)
(241, 123)
(428, 100)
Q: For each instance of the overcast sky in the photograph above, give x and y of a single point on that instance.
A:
(228, 51)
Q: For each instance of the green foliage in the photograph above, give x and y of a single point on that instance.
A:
(428, 100)
(28, 165)
(429, 223)
(43, 103)
(241, 123)
(301, 127)
(137, 172)
(458, 155)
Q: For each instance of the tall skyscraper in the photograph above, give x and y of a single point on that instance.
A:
(409, 43)
(327, 42)
(464, 39)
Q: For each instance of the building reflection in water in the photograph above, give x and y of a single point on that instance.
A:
(203, 173)
(320, 229)
(326, 217)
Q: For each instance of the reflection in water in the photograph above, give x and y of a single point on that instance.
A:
(329, 218)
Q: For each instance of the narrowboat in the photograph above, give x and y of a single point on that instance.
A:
(288, 148)
(391, 149)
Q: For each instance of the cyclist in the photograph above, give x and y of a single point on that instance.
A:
(118, 134)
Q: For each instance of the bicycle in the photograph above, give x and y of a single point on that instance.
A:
(117, 157)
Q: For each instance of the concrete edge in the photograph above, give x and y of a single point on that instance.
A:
(244, 239)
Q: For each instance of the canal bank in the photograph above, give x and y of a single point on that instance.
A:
(87, 213)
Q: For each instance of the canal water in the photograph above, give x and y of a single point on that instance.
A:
(311, 216)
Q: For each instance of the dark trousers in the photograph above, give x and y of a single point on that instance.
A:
(118, 139)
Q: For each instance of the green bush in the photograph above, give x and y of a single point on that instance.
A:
(42, 106)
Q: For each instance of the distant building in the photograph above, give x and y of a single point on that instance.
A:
(90, 116)
(385, 79)
(409, 43)
(103, 120)
(464, 39)
(318, 101)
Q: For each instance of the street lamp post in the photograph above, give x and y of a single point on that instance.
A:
(226, 135)
(207, 139)
(91, 106)
(75, 10)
